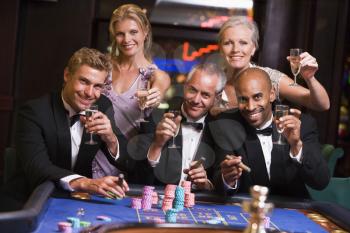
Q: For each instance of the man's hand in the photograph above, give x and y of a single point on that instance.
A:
(103, 186)
(167, 128)
(291, 125)
(198, 176)
(230, 169)
(100, 124)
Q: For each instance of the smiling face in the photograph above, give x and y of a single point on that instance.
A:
(129, 37)
(255, 95)
(199, 94)
(83, 87)
(237, 46)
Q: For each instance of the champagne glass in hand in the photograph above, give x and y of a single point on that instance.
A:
(280, 111)
(89, 112)
(294, 60)
(175, 113)
(142, 93)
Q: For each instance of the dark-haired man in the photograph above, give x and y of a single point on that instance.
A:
(285, 169)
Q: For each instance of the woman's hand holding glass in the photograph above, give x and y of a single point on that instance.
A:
(295, 65)
(302, 63)
(309, 66)
(141, 94)
(153, 98)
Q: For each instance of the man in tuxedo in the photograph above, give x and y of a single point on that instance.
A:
(192, 137)
(50, 136)
(284, 169)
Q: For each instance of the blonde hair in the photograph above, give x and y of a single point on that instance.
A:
(244, 21)
(90, 57)
(133, 12)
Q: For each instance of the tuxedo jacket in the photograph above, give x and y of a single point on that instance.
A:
(287, 176)
(169, 168)
(43, 141)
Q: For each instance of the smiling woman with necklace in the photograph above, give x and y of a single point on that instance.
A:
(238, 41)
(131, 41)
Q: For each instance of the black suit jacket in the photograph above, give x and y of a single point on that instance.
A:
(169, 169)
(287, 177)
(43, 141)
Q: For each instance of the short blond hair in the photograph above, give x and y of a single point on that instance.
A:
(90, 57)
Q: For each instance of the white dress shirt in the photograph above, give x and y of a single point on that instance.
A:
(190, 142)
(266, 146)
(76, 132)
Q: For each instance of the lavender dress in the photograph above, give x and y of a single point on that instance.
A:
(126, 112)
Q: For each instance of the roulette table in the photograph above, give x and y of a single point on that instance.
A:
(48, 206)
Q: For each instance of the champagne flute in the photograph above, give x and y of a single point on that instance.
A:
(142, 93)
(175, 113)
(294, 60)
(89, 112)
(280, 111)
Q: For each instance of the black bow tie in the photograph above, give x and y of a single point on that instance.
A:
(73, 119)
(196, 126)
(267, 131)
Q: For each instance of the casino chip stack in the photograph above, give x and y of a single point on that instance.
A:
(136, 203)
(65, 227)
(186, 185)
(154, 198)
(189, 200)
(192, 199)
(146, 203)
(179, 198)
(170, 215)
(74, 221)
(169, 195)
